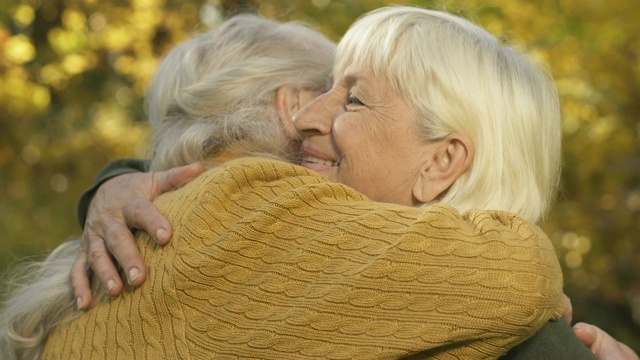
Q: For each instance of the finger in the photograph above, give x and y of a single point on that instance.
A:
(123, 247)
(144, 215)
(80, 280)
(174, 178)
(102, 265)
(628, 353)
(586, 333)
(603, 345)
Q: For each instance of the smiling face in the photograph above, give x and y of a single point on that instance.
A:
(362, 134)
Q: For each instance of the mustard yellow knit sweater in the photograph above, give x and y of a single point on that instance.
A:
(269, 260)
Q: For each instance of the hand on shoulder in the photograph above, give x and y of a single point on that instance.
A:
(603, 345)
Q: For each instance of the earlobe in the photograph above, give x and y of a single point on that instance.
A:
(452, 157)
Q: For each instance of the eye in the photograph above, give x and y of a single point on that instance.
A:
(353, 101)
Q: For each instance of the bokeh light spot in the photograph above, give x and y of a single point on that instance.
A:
(30, 154)
(124, 96)
(58, 183)
(633, 201)
(210, 15)
(117, 38)
(41, 97)
(570, 240)
(74, 20)
(19, 50)
(97, 22)
(74, 64)
(24, 15)
(53, 75)
(573, 259)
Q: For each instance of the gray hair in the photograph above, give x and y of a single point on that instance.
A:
(456, 77)
(38, 297)
(210, 93)
(219, 88)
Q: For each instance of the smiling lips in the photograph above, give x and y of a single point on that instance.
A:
(306, 158)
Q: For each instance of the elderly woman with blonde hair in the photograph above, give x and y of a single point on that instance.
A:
(423, 127)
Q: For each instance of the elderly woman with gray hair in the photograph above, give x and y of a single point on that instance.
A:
(273, 260)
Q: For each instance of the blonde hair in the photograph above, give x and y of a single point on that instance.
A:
(210, 93)
(456, 77)
(219, 88)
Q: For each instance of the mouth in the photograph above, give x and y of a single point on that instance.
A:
(306, 158)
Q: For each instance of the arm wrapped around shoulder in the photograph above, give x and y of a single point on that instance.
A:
(363, 278)
(315, 269)
(500, 270)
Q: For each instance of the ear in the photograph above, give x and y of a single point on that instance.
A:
(288, 104)
(452, 157)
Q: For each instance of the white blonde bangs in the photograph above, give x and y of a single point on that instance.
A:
(457, 77)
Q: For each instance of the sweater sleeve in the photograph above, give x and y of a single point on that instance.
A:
(118, 167)
(304, 268)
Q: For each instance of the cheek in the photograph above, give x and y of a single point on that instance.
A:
(353, 132)
(363, 146)
(357, 145)
(362, 177)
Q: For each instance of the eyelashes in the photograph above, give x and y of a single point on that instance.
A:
(354, 101)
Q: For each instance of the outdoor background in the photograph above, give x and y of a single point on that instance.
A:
(73, 74)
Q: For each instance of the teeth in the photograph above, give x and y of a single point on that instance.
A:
(315, 160)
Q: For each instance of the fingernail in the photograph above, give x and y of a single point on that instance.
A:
(133, 274)
(161, 233)
(581, 326)
(79, 303)
(110, 285)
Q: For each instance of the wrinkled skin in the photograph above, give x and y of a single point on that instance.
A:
(120, 205)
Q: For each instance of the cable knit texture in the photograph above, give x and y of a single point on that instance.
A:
(269, 260)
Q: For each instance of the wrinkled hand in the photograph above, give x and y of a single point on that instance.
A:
(602, 344)
(120, 204)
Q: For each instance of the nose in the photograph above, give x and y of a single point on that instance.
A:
(317, 117)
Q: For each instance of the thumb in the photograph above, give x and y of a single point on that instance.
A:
(587, 334)
(603, 345)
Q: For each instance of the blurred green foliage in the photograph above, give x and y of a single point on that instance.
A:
(73, 73)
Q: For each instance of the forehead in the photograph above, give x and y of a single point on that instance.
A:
(374, 89)
(365, 78)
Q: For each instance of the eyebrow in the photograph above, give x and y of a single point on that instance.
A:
(352, 78)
